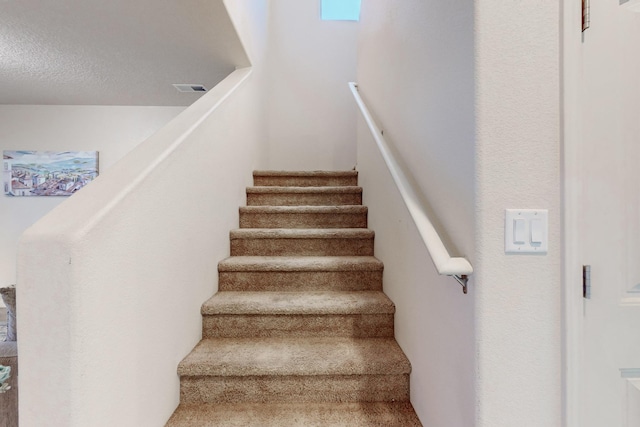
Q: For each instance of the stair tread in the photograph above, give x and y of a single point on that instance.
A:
(355, 209)
(242, 357)
(301, 233)
(306, 173)
(300, 263)
(304, 190)
(310, 414)
(291, 303)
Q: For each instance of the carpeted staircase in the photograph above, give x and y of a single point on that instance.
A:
(300, 333)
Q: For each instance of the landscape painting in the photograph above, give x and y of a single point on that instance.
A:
(47, 173)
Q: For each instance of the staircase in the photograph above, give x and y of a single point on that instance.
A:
(300, 333)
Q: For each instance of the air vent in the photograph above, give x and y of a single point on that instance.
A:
(190, 88)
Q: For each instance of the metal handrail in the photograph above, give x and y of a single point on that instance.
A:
(457, 267)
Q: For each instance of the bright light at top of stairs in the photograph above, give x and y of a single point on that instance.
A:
(341, 10)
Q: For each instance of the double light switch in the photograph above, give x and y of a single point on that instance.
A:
(526, 231)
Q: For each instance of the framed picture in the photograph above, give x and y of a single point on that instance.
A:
(47, 173)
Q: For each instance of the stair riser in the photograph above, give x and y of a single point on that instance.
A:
(296, 281)
(337, 199)
(350, 414)
(272, 389)
(271, 326)
(292, 181)
(302, 247)
(302, 220)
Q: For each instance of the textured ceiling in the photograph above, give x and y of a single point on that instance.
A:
(113, 52)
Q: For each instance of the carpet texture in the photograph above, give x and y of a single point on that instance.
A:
(301, 196)
(300, 332)
(369, 414)
(313, 242)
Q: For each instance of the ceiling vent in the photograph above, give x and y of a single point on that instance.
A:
(190, 88)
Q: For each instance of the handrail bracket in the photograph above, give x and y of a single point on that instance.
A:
(463, 280)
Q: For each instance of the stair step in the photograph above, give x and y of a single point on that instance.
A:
(298, 314)
(303, 217)
(304, 273)
(311, 242)
(304, 196)
(305, 178)
(361, 414)
(262, 370)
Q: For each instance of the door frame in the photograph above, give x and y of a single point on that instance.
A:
(573, 339)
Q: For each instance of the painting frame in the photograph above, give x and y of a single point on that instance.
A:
(29, 173)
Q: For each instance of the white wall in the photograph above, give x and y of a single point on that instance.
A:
(250, 19)
(468, 94)
(518, 298)
(117, 274)
(113, 131)
(309, 108)
(415, 72)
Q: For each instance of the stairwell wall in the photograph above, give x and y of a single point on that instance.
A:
(467, 93)
(113, 130)
(116, 275)
(310, 113)
(415, 72)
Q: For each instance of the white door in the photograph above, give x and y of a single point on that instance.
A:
(602, 83)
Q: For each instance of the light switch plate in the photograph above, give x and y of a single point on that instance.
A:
(513, 220)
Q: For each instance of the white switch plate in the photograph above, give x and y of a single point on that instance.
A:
(526, 247)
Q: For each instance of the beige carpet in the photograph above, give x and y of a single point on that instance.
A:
(300, 333)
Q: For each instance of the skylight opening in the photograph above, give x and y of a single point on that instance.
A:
(340, 10)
